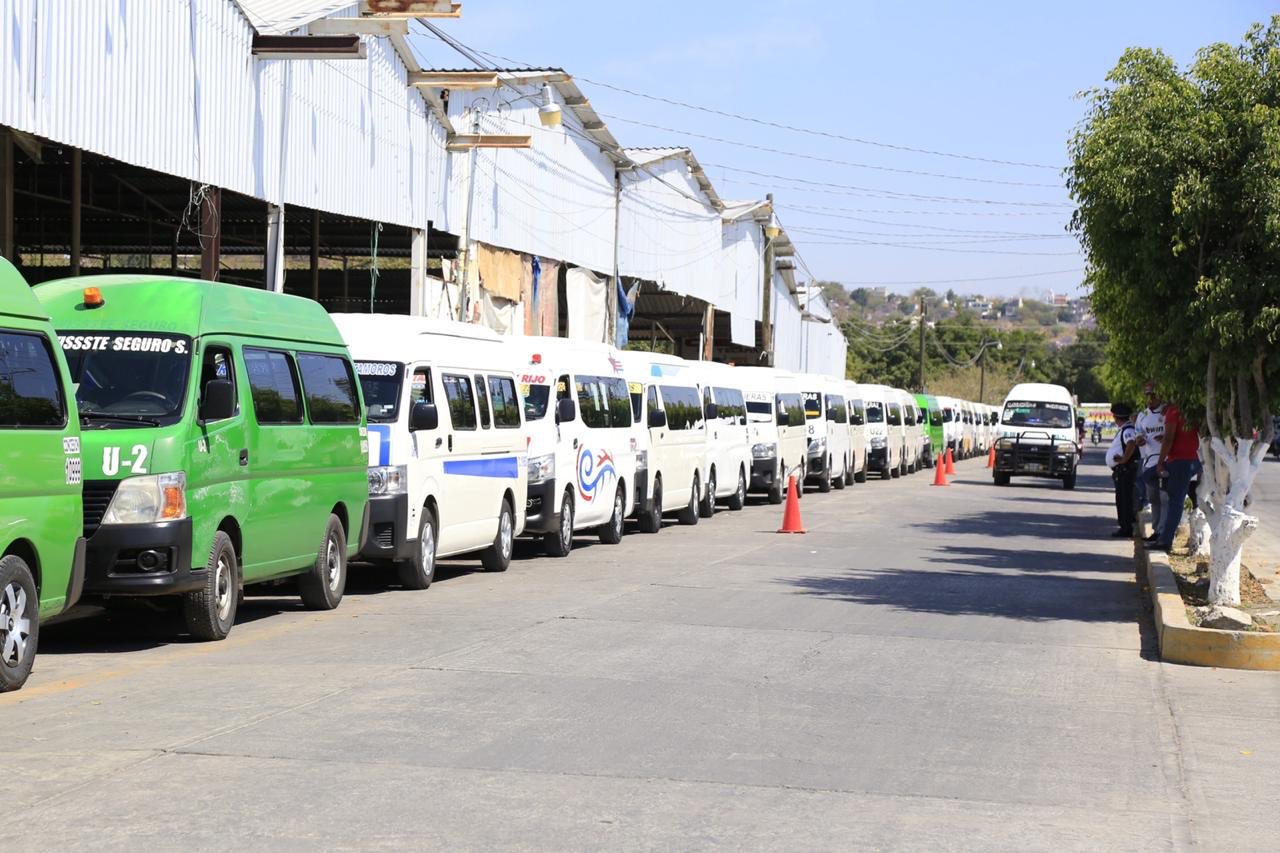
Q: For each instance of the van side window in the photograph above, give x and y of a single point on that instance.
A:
(684, 408)
(637, 400)
(793, 405)
(216, 363)
(30, 390)
(273, 387)
(732, 407)
(330, 389)
(420, 387)
(593, 407)
(619, 397)
(506, 405)
(857, 415)
(482, 397)
(835, 409)
(462, 403)
(651, 399)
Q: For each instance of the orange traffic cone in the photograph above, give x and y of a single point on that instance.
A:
(991, 456)
(951, 466)
(939, 476)
(791, 515)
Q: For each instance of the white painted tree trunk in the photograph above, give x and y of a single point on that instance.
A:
(1200, 531)
(1233, 472)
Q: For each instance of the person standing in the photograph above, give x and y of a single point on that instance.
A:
(1150, 427)
(1123, 462)
(1180, 459)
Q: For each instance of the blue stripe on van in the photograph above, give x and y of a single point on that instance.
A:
(383, 431)
(506, 467)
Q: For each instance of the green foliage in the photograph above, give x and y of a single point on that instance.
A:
(1177, 179)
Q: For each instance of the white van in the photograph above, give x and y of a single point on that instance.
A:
(884, 451)
(858, 437)
(447, 465)
(827, 419)
(950, 426)
(667, 396)
(911, 431)
(583, 440)
(775, 416)
(1037, 435)
(728, 463)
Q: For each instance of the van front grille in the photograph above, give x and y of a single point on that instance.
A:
(97, 497)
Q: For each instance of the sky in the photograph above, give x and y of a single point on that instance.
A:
(986, 94)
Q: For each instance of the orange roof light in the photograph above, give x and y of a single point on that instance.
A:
(93, 298)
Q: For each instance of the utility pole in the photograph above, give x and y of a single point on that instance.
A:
(982, 375)
(923, 308)
(766, 321)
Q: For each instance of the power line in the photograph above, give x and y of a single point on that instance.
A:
(852, 242)
(920, 283)
(820, 212)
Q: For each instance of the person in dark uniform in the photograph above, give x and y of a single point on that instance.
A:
(1123, 462)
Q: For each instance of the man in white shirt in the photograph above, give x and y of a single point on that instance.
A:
(1150, 426)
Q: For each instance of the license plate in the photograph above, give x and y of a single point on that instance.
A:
(1035, 468)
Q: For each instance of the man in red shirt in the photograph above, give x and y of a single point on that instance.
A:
(1179, 460)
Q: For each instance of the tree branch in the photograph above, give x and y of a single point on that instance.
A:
(1246, 407)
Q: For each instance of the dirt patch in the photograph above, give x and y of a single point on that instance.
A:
(1193, 583)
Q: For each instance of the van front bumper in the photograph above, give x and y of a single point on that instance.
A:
(115, 556)
(388, 529)
(764, 473)
(877, 458)
(541, 509)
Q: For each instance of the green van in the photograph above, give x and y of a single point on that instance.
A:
(224, 441)
(933, 429)
(41, 550)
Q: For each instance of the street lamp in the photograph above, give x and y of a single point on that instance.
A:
(549, 113)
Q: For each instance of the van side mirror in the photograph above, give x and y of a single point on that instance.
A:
(657, 418)
(564, 410)
(219, 400)
(423, 417)
(713, 411)
(783, 418)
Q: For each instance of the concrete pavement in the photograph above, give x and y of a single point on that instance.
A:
(962, 668)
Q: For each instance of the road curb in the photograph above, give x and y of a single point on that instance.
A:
(1182, 642)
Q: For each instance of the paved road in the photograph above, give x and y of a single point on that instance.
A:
(962, 668)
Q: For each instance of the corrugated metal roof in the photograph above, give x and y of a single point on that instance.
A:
(277, 17)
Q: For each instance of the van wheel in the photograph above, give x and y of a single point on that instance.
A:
(651, 521)
(497, 556)
(738, 499)
(321, 588)
(775, 492)
(841, 481)
(824, 478)
(560, 542)
(611, 533)
(1069, 481)
(419, 571)
(848, 472)
(1000, 478)
(211, 610)
(689, 515)
(19, 622)
(707, 507)
(895, 472)
(861, 476)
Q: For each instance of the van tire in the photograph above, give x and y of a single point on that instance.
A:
(707, 507)
(861, 476)
(775, 492)
(611, 532)
(841, 481)
(824, 477)
(18, 600)
(1000, 478)
(848, 472)
(738, 499)
(1069, 481)
(321, 587)
(419, 571)
(559, 542)
(497, 556)
(211, 610)
(651, 521)
(689, 515)
(895, 472)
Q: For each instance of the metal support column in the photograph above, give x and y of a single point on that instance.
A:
(77, 200)
(8, 236)
(315, 255)
(766, 320)
(418, 273)
(273, 259)
(210, 233)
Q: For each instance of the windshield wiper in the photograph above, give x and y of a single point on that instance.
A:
(131, 419)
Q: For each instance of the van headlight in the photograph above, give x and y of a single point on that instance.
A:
(764, 450)
(388, 480)
(877, 442)
(642, 460)
(542, 468)
(817, 444)
(149, 499)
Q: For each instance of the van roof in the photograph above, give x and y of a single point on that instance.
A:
(16, 298)
(186, 306)
(402, 338)
(1040, 392)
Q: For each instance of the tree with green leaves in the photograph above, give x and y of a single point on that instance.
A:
(1176, 177)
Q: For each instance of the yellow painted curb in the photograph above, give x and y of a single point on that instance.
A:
(1182, 642)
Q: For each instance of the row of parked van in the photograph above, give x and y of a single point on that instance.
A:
(172, 437)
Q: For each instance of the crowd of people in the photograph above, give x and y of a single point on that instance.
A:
(1154, 460)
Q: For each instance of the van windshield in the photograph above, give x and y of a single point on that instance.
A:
(128, 379)
(536, 398)
(759, 412)
(875, 412)
(380, 381)
(1031, 413)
